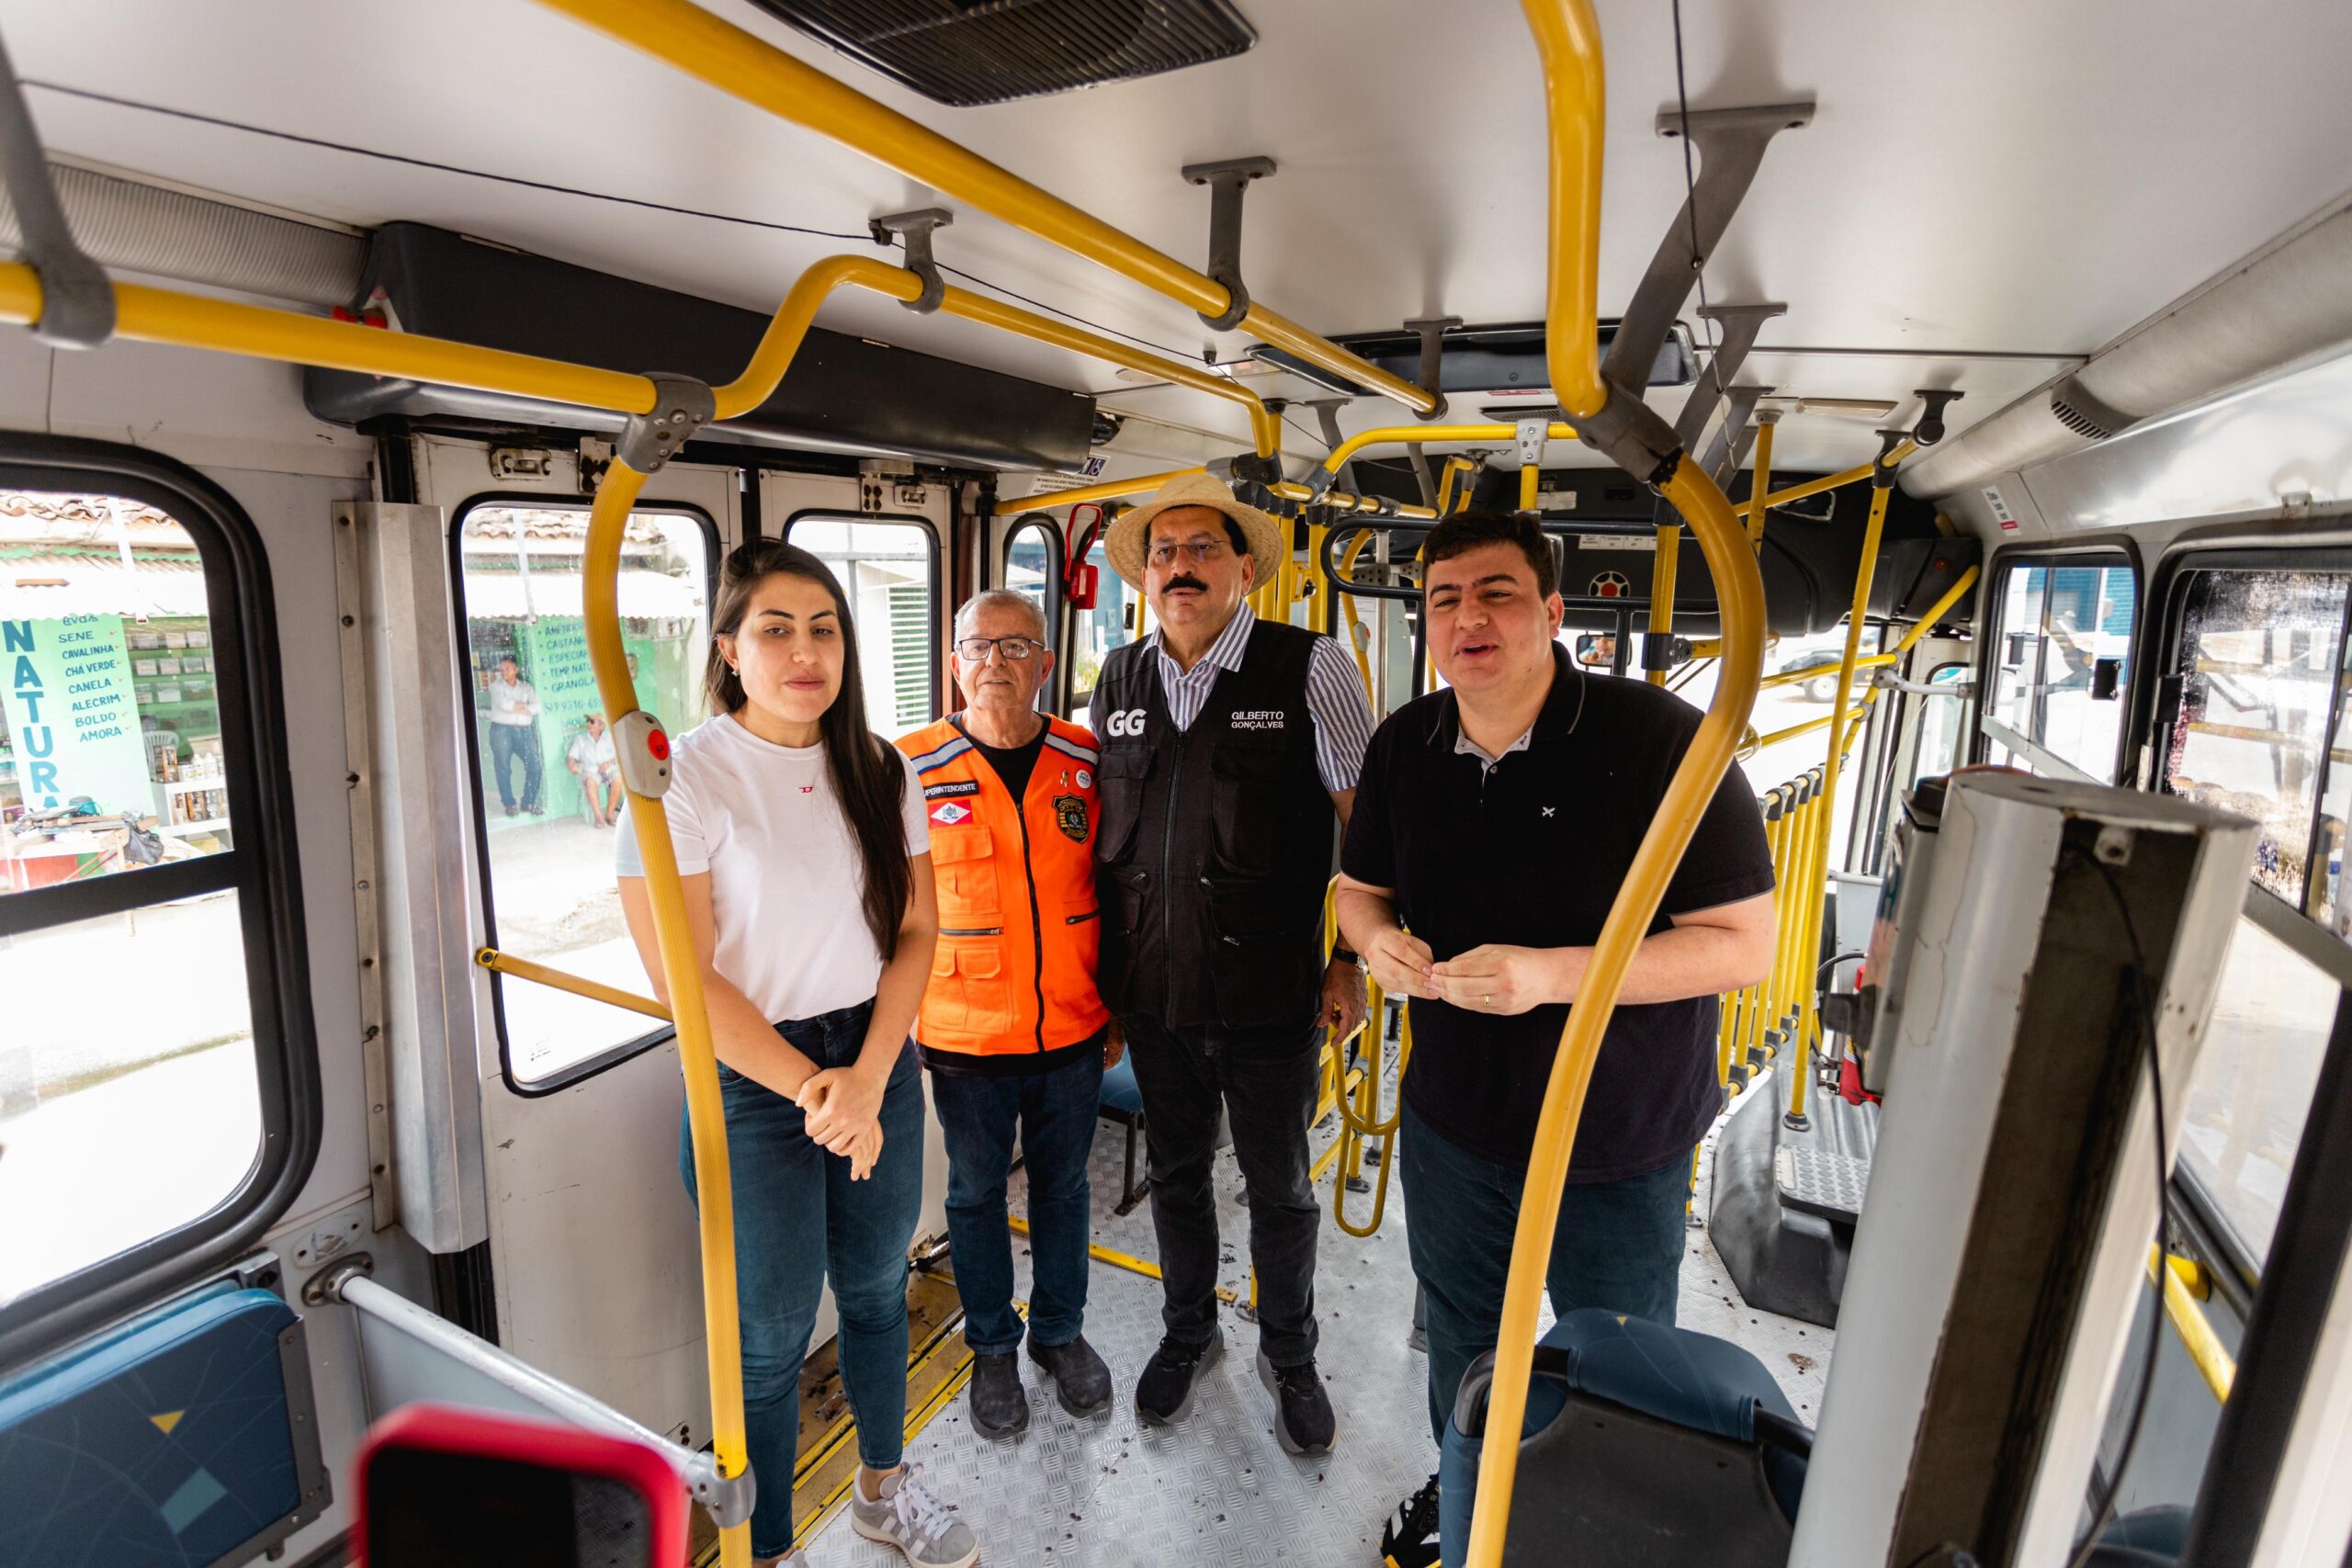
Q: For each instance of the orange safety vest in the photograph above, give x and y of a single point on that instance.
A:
(1018, 922)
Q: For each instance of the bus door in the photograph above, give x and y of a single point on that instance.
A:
(592, 1241)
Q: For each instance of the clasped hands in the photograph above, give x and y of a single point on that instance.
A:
(1492, 978)
(842, 1110)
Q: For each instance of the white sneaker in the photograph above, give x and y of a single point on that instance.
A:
(907, 1515)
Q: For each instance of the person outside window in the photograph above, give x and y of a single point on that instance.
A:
(515, 733)
(591, 760)
(1013, 1030)
(806, 861)
(1230, 746)
(1495, 822)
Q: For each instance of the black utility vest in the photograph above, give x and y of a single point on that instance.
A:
(1216, 843)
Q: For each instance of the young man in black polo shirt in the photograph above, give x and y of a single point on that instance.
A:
(1493, 824)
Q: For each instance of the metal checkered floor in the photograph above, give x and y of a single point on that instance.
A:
(1218, 1490)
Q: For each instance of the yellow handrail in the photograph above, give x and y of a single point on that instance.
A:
(1109, 490)
(1830, 481)
(499, 963)
(682, 980)
(1815, 673)
(1568, 39)
(1760, 482)
(2173, 1278)
(1662, 574)
(1401, 434)
(727, 57)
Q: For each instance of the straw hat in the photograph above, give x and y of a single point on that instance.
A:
(1124, 542)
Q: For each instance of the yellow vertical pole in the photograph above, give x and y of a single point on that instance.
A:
(1669, 551)
(1841, 728)
(1528, 477)
(681, 978)
(1767, 420)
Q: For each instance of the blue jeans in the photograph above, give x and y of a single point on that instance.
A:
(508, 741)
(1618, 1246)
(799, 1220)
(1055, 1114)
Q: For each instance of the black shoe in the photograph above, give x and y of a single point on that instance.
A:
(1080, 1380)
(1164, 1392)
(1410, 1539)
(1000, 1404)
(1302, 1420)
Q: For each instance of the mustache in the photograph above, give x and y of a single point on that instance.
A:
(1187, 580)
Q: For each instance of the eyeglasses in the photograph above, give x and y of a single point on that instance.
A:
(975, 650)
(1196, 550)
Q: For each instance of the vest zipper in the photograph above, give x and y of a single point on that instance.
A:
(1036, 928)
(1168, 848)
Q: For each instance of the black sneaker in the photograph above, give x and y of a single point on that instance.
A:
(1164, 1392)
(1410, 1539)
(1082, 1382)
(1302, 1420)
(1000, 1404)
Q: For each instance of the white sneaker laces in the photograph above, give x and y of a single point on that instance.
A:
(917, 1510)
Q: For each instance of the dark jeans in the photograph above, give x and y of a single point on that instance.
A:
(800, 1221)
(1618, 1246)
(1054, 1112)
(1266, 1079)
(508, 741)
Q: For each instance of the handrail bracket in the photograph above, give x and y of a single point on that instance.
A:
(1226, 180)
(77, 307)
(913, 230)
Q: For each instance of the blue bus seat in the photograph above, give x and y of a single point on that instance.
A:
(1122, 1102)
(183, 1438)
(1645, 1447)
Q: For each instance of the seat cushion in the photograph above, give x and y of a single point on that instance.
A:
(1121, 1098)
(1693, 1380)
(168, 1441)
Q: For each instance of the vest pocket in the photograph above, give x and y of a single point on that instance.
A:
(1119, 777)
(1248, 791)
(963, 863)
(1262, 961)
(969, 991)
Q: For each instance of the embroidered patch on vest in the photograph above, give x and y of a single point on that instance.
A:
(967, 786)
(1258, 719)
(948, 813)
(1069, 811)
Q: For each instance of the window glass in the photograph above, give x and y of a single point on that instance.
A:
(1114, 622)
(129, 1102)
(1029, 571)
(2057, 623)
(2330, 899)
(1939, 725)
(549, 784)
(109, 721)
(889, 571)
(2258, 661)
(2253, 1081)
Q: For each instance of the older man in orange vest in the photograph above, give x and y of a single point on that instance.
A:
(1012, 1028)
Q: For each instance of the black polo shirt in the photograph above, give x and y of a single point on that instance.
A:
(1531, 853)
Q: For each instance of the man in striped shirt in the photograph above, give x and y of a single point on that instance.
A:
(1230, 749)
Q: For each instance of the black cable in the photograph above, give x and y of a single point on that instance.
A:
(222, 123)
(1691, 206)
(2105, 1512)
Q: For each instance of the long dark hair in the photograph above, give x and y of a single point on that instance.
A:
(867, 772)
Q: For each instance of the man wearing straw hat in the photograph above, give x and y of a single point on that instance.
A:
(1230, 746)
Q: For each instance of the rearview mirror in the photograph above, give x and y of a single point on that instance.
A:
(2107, 680)
(1597, 651)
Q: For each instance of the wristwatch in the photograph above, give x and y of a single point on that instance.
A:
(1341, 954)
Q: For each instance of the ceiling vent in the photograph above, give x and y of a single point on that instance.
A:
(2086, 416)
(967, 52)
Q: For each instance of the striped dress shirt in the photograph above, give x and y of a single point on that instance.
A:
(1334, 698)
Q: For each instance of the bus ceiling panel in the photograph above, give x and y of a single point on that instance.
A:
(842, 393)
(1943, 203)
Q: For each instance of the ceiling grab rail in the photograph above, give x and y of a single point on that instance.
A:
(1568, 39)
(741, 63)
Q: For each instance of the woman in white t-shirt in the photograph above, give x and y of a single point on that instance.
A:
(806, 857)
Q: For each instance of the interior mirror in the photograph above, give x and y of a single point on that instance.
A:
(1597, 651)
(2107, 680)
(444, 1487)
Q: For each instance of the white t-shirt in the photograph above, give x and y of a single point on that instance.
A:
(787, 882)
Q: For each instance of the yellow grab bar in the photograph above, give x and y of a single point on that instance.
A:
(1662, 573)
(1109, 490)
(1761, 483)
(1829, 481)
(1399, 435)
(1567, 40)
(682, 979)
(741, 63)
(499, 963)
(2172, 1276)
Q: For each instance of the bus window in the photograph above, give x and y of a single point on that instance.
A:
(142, 1049)
(2253, 1086)
(1033, 558)
(2258, 657)
(2057, 623)
(1112, 623)
(890, 569)
(543, 764)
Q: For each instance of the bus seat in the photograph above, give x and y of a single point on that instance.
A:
(1122, 1102)
(185, 1437)
(1646, 1447)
